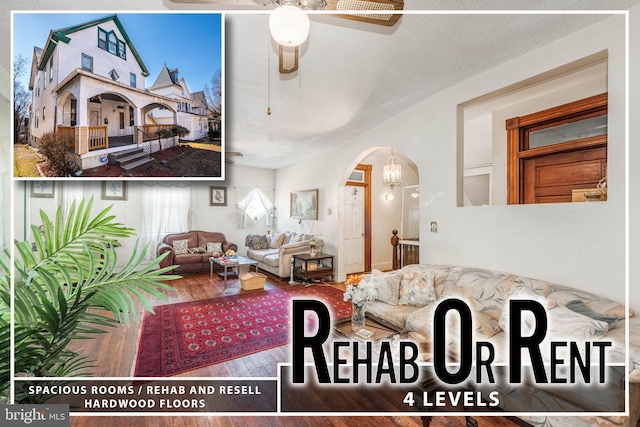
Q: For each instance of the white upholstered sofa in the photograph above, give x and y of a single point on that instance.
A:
(408, 298)
(273, 251)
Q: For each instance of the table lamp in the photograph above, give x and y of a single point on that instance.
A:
(313, 231)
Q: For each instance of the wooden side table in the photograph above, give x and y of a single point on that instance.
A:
(307, 267)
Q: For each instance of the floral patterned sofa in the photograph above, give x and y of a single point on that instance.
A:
(408, 298)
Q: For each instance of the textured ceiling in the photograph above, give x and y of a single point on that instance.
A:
(353, 76)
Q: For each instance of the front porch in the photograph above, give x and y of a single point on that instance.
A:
(94, 145)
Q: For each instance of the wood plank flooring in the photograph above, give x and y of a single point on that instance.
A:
(115, 355)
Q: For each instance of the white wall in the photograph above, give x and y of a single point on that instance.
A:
(572, 244)
(129, 212)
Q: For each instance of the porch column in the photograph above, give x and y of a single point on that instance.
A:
(82, 123)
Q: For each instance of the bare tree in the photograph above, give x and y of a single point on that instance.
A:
(21, 96)
(213, 94)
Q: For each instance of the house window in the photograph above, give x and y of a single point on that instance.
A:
(109, 41)
(132, 79)
(114, 74)
(102, 39)
(87, 63)
(112, 43)
(38, 87)
(43, 112)
(73, 117)
(131, 116)
(44, 80)
(51, 68)
(37, 118)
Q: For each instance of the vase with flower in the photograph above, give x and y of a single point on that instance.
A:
(359, 291)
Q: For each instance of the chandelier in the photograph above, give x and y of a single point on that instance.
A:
(392, 172)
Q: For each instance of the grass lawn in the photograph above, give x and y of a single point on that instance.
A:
(25, 159)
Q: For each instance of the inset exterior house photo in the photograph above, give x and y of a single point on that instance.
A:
(119, 95)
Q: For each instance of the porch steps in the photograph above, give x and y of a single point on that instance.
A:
(130, 159)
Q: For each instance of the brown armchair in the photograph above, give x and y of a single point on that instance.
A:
(192, 261)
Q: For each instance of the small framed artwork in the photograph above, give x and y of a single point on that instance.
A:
(114, 190)
(44, 189)
(304, 204)
(217, 196)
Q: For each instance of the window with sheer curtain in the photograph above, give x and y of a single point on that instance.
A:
(166, 209)
(255, 204)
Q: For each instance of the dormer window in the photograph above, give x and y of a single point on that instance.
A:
(107, 40)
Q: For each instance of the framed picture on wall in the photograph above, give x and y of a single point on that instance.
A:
(114, 190)
(217, 196)
(44, 189)
(304, 204)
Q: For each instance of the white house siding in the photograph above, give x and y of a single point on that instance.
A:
(44, 100)
(86, 41)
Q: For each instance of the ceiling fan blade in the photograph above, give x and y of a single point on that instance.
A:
(233, 153)
(229, 161)
(288, 59)
(369, 5)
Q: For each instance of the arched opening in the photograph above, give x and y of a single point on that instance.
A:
(369, 211)
(116, 113)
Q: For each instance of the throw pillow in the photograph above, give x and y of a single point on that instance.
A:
(579, 307)
(416, 288)
(295, 238)
(387, 285)
(276, 239)
(214, 247)
(181, 247)
(483, 323)
(198, 250)
(287, 237)
(256, 241)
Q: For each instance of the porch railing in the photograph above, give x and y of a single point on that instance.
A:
(149, 132)
(98, 137)
(70, 133)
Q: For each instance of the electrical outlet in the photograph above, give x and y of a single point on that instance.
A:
(433, 227)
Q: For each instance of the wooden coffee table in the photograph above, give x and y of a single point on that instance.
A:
(230, 266)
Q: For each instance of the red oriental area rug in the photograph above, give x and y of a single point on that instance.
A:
(185, 336)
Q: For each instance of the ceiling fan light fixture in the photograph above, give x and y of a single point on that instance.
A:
(262, 2)
(289, 25)
(313, 4)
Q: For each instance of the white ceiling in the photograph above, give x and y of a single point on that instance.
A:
(353, 76)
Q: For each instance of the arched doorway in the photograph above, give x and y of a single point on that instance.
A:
(368, 210)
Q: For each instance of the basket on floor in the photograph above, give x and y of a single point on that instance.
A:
(251, 281)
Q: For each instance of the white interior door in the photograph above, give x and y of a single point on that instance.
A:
(353, 229)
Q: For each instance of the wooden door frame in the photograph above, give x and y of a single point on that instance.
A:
(517, 142)
(367, 211)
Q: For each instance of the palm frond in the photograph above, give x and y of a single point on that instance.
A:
(64, 286)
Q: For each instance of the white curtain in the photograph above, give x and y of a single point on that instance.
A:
(166, 209)
(71, 191)
(243, 196)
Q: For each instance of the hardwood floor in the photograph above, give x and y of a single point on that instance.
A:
(115, 355)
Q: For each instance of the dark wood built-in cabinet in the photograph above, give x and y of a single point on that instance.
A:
(553, 152)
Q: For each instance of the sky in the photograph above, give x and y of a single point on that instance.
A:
(187, 41)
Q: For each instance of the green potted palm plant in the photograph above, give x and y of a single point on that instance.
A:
(68, 289)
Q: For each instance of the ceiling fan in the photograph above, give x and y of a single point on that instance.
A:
(289, 25)
(228, 154)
